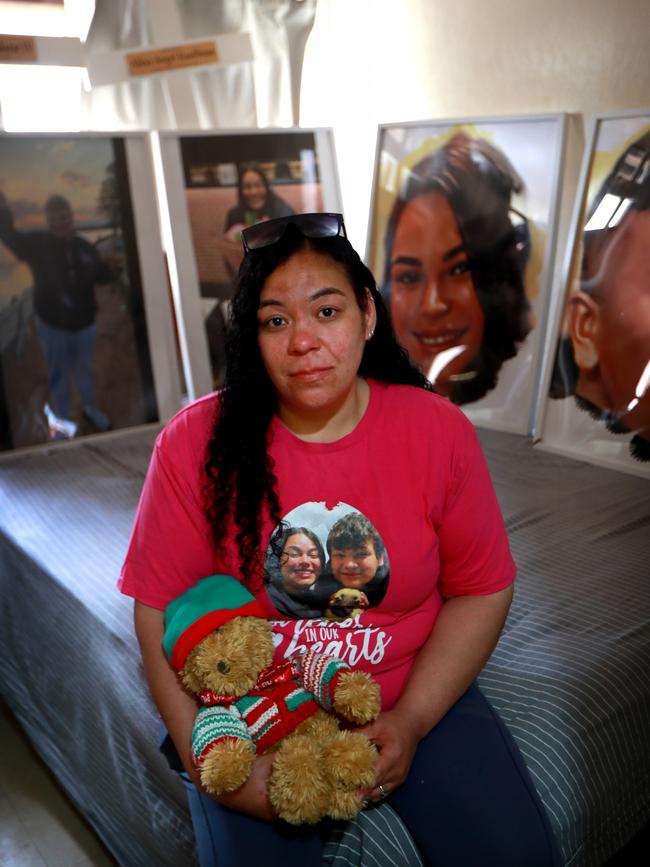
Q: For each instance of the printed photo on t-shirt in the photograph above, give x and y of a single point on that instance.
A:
(329, 564)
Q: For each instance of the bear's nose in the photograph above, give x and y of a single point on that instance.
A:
(223, 666)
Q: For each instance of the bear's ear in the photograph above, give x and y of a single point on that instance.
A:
(584, 327)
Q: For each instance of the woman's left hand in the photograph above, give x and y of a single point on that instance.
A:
(396, 742)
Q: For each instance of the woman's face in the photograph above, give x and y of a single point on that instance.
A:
(300, 563)
(434, 307)
(311, 334)
(253, 190)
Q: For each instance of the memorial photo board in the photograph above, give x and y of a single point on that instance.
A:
(217, 184)
(597, 377)
(86, 331)
(461, 241)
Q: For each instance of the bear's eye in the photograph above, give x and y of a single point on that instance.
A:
(223, 666)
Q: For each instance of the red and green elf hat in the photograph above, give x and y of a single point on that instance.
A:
(202, 608)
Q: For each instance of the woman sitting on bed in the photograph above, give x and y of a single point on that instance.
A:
(321, 406)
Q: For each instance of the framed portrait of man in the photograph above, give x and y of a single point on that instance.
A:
(86, 331)
(216, 185)
(462, 240)
(597, 379)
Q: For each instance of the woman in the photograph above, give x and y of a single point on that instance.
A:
(318, 398)
(455, 263)
(257, 201)
(294, 563)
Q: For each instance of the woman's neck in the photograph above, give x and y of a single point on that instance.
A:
(328, 424)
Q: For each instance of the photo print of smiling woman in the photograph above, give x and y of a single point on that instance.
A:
(600, 384)
(461, 239)
(326, 564)
(218, 184)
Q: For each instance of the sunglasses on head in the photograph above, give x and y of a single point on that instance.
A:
(310, 225)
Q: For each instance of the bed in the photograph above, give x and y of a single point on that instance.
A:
(569, 677)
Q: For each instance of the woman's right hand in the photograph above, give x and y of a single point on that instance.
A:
(252, 798)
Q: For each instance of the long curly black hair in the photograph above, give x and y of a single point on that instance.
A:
(478, 181)
(240, 482)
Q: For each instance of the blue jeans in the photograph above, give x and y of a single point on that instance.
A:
(69, 358)
(468, 801)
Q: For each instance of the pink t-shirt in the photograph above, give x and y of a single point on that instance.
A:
(412, 467)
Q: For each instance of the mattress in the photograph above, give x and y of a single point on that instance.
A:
(571, 673)
(72, 674)
(569, 676)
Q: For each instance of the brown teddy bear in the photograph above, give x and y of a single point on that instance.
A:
(218, 640)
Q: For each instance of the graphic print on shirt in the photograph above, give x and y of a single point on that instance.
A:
(326, 564)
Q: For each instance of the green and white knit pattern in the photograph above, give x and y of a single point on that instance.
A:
(318, 673)
(296, 698)
(217, 723)
(261, 713)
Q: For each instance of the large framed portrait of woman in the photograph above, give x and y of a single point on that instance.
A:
(597, 375)
(87, 339)
(462, 240)
(217, 184)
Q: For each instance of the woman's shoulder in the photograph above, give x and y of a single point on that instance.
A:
(432, 432)
(425, 423)
(190, 427)
(417, 403)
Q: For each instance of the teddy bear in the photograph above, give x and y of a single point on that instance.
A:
(220, 643)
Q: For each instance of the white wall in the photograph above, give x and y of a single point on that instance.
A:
(380, 61)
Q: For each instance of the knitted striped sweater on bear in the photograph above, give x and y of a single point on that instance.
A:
(283, 696)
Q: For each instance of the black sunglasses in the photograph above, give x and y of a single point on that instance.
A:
(310, 225)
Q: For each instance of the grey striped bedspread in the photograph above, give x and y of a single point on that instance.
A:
(570, 675)
(72, 673)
